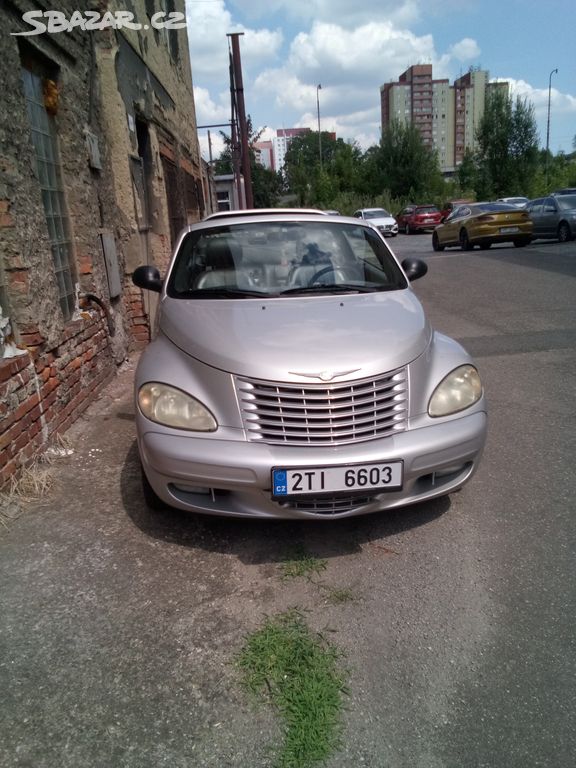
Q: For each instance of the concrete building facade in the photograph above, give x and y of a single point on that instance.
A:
(281, 142)
(446, 116)
(100, 168)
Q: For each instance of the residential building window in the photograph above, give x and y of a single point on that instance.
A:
(39, 92)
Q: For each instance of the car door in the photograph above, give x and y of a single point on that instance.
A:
(550, 215)
(534, 210)
(403, 216)
(450, 230)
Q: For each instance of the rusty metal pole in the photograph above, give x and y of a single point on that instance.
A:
(242, 124)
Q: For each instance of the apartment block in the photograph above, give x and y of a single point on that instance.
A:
(447, 116)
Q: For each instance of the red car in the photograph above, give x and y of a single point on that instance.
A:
(418, 218)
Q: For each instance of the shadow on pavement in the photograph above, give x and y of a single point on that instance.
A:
(267, 541)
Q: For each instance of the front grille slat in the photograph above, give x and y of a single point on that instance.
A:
(324, 414)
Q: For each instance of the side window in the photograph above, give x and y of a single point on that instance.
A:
(535, 207)
(550, 205)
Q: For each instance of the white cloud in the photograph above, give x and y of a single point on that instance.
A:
(466, 50)
(208, 27)
(377, 51)
(560, 102)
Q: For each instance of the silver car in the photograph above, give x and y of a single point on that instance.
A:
(294, 374)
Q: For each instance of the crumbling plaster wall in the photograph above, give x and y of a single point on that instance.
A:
(140, 81)
(89, 195)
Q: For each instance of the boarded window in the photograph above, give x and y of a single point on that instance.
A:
(174, 198)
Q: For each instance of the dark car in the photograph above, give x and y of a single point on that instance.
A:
(553, 217)
(565, 191)
(418, 218)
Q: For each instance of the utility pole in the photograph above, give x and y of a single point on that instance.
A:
(237, 88)
(318, 89)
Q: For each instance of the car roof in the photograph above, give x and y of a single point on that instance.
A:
(262, 212)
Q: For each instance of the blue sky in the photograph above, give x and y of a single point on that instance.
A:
(351, 48)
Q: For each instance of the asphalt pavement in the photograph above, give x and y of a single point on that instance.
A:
(119, 627)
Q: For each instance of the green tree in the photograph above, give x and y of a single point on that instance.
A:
(507, 156)
(315, 182)
(403, 164)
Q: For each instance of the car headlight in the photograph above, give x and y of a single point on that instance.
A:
(173, 408)
(457, 391)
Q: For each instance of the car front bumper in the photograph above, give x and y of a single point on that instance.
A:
(225, 477)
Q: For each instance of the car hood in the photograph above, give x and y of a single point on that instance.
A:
(293, 338)
(381, 220)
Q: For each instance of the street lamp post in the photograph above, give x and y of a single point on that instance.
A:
(548, 121)
(318, 89)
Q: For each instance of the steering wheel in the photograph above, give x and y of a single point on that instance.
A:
(320, 273)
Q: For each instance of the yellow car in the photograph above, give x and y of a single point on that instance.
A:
(482, 224)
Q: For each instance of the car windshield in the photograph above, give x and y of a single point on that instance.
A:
(377, 213)
(566, 202)
(282, 258)
(426, 209)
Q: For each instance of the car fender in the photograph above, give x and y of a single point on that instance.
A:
(442, 356)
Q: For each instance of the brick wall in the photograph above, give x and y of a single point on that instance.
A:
(45, 390)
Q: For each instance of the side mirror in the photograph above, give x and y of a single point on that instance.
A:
(147, 278)
(414, 268)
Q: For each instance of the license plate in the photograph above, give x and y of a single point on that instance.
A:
(315, 481)
(508, 230)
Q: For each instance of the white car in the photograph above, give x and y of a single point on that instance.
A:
(380, 218)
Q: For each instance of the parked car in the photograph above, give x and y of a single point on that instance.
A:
(379, 218)
(483, 224)
(294, 374)
(418, 218)
(451, 205)
(565, 191)
(519, 202)
(553, 217)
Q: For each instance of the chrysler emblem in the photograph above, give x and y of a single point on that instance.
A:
(324, 375)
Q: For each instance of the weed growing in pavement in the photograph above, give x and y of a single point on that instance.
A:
(336, 596)
(299, 563)
(297, 670)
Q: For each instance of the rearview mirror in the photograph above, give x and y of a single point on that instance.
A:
(414, 268)
(148, 278)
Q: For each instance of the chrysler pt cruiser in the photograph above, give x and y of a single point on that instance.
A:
(294, 374)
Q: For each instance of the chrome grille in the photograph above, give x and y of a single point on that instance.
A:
(324, 414)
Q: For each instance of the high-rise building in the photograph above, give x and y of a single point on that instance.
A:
(447, 116)
(281, 142)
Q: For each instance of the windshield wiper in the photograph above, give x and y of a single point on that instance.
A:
(335, 288)
(224, 293)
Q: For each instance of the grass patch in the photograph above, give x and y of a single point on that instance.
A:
(337, 596)
(297, 670)
(299, 563)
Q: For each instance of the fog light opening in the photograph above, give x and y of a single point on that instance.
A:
(197, 489)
